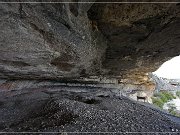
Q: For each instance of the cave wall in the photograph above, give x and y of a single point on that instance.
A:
(72, 40)
(48, 41)
(140, 37)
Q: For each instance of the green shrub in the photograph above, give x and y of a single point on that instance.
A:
(158, 102)
(178, 94)
(169, 95)
(156, 94)
(172, 110)
(171, 106)
(163, 97)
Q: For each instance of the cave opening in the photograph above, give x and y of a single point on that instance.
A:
(167, 76)
(167, 80)
(169, 69)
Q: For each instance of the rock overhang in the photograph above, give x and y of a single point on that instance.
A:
(75, 40)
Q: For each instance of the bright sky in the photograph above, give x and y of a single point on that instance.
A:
(170, 69)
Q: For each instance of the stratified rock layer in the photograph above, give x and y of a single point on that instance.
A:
(72, 40)
(48, 41)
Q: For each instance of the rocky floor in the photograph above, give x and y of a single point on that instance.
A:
(74, 109)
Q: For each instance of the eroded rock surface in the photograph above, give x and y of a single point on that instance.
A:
(83, 42)
(140, 36)
(48, 41)
(69, 40)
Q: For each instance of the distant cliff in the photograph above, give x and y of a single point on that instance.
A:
(165, 84)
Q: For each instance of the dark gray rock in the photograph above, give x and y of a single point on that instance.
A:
(47, 110)
(47, 41)
(69, 40)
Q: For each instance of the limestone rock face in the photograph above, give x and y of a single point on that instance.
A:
(71, 40)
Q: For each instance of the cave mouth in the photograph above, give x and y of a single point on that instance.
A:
(137, 39)
(169, 69)
(167, 80)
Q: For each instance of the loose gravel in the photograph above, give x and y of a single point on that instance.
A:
(67, 111)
